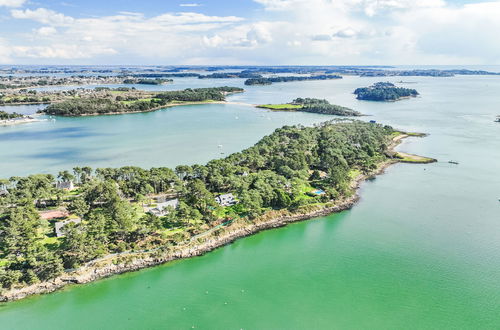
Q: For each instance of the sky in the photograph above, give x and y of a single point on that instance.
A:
(250, 32)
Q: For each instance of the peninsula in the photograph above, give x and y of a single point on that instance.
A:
(384, 91)
(88, 224)
(312, 105)
(123, 100)
(10, 119)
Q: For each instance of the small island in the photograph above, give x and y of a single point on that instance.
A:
(123, 100)
(384, 91)
(312, 105)
(269, 81)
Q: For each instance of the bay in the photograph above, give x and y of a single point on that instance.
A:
(420, 250)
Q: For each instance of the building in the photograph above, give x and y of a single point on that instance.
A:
(163, 208)
(226, 200)
(66, 185)
(61, 224)
(3, 192)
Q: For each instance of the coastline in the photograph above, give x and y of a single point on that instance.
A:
(18, 121)
(130, 261)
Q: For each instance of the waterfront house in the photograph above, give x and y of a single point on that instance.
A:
(226, 200)
(61, 224)
(163, 208)
(66, 185)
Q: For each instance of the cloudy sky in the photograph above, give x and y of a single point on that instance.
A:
(249, 32)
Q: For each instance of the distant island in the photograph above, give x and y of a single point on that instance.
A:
(226, 75)
(312, 105)
(269, 81)
(88, 224)
(384, 91)
(127, 100)
(156, 81)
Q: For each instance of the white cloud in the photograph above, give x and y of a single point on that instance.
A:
(46, 31)
(61, 51)
(287, 31)
(166, 36)
(12, 3)
(42, 15)
(190, 5)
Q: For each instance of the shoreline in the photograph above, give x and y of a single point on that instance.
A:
(19, 121)
(131, 261)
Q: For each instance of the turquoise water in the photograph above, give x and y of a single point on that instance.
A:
(420, 250)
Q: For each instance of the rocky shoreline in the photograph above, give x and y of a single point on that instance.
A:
(93, 271)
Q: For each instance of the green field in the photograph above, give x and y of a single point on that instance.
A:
(281, 107)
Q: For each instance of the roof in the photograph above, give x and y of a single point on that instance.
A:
(53, 214)
(61, 224)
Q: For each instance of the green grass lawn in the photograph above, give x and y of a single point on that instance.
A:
(281, 107)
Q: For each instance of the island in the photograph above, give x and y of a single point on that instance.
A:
(384, 91)
(123, 100)
(270, 80)
(156, 81)
(312, 105)
(87, 224)
(227, 75)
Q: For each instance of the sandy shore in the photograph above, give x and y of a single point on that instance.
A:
(20, 121)
(131, 261)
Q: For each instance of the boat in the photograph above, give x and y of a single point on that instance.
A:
(453, 162)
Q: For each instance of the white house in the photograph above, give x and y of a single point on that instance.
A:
(162, 209)
(60, 225)
(226, 200)
(67, 185)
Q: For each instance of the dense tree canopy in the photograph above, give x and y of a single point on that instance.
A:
(280, 172)
(269, 81)
(384, 91)
(92, 106)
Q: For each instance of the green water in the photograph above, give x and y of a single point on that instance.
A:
(420, 250)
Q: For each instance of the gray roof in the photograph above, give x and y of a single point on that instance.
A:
(60, 225)
(225, 199)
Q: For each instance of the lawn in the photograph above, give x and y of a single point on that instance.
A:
(281, 107)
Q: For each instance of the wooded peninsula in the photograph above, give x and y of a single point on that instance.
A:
(125, 100)
(53, 229)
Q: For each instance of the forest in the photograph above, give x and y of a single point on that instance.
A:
(104, 105)
(284, 170)
(6, 115)
(384, 91)
(156, 81)
(269, 81)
